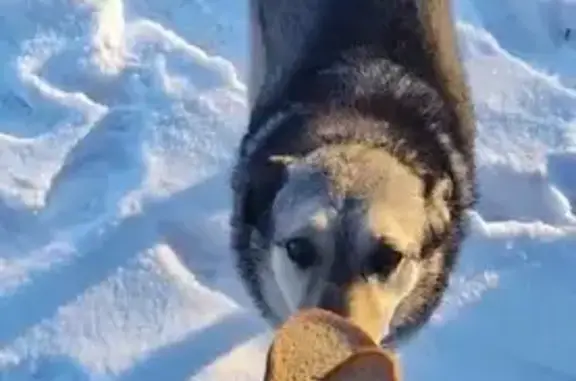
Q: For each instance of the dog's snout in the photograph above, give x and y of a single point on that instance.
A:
(360, 303)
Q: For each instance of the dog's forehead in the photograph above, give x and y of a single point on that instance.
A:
(312, 199)
(304, 201)
(301, 186)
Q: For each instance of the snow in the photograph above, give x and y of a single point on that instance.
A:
(118, 125)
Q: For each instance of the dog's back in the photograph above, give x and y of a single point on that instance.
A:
(291, 35)
(291, 38)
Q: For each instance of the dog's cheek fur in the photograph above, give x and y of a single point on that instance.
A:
(439, 253)
(438, 209)
(416, 309)
(254, 187)
(292, 281)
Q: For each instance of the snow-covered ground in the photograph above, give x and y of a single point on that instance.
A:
(118, 124)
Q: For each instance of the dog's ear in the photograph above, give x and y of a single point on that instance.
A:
(438, 194)
(254, 186)
(265, 181)
(437, 188)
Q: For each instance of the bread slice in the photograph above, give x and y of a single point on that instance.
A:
(319, 345)
(365, 365)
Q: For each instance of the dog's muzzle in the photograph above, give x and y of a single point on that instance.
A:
(361, 302)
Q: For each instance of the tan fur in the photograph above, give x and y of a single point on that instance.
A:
(370, 308)
(394, 209)
(319, 345)
(394, 192)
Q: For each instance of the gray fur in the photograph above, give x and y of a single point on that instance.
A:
(367, 106)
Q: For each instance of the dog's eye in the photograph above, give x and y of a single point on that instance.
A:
(383, 260)
(302, 252)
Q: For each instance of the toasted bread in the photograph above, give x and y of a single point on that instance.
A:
(319, 345)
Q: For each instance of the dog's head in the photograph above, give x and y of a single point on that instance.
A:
(357, 232)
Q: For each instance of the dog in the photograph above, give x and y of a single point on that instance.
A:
(357, 168)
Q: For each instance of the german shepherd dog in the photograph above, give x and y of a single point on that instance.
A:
(357, 168)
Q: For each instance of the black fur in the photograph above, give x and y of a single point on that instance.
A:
(368, 60)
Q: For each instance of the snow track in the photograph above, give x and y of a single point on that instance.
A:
(118, 124)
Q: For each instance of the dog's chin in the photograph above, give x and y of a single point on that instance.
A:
(388, 339)
(396, 335)
(391, 337)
